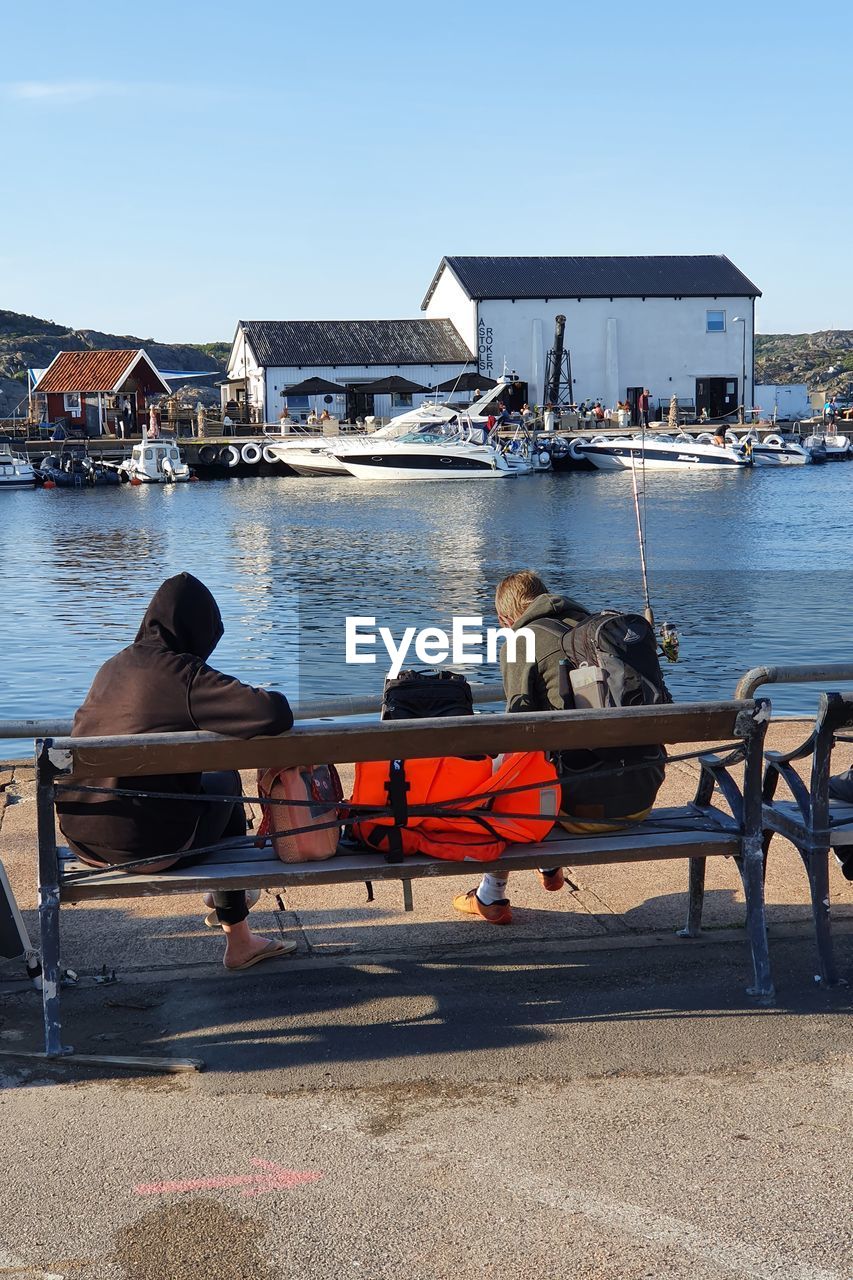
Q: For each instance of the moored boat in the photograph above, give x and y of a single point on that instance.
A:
(15, 472)
(426, 455)
(74, 468)
(773, 451)
(835, 447)
(660, 453)
(154, 462)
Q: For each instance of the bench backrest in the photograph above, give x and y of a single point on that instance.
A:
(143, 754)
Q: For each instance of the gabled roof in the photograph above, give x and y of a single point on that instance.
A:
(90, 371)
(308, 343)
(665, 276)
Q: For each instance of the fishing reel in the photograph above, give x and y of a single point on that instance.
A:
(669, 642)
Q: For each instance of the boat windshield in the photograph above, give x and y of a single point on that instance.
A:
(433, 435)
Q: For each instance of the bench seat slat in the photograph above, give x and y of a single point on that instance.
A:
(356, 866)
(784, 817)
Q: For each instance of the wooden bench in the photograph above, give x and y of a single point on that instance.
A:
(695, 832)
(810, 820)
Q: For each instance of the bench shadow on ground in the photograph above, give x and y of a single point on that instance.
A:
(478, 989)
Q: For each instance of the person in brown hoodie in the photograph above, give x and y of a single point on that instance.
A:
(162, 683)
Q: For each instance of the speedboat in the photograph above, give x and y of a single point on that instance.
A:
(659, 453)
(431, 455)
(15, 472)
(154, 462)
(835, 447)
(773, 451)
(73, 468)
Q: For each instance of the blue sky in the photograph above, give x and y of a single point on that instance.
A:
(173, 167)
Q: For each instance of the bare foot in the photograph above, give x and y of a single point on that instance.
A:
(241, 945)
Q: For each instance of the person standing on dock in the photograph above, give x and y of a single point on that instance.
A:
(643, 402)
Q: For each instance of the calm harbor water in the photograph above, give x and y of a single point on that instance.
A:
(752, 568)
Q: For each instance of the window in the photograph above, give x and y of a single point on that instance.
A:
(71, 403)
(715, 322)
(401, 399)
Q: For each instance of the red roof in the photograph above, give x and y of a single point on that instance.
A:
(95, 371)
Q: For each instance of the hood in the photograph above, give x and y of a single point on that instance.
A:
(183, 616)
(547, 606)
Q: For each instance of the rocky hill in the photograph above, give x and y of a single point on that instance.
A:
(26, 342)
(824, 360)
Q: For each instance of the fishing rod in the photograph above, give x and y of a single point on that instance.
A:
(669, 638)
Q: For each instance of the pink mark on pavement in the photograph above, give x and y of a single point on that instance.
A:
(275, 1178)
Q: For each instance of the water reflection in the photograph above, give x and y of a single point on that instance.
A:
(742, 563)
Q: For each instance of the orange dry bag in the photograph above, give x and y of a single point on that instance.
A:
(456, 786)
(305, 828)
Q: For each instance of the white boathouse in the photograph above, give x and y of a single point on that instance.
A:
(677, 325)
(364, 358)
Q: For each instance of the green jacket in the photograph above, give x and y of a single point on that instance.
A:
(535, 686)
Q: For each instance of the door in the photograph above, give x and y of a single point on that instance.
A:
(632, 397)
(359, 404)
(717, 396)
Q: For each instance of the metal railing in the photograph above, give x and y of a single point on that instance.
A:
(332, 708)
(808, 673)
(307, 709)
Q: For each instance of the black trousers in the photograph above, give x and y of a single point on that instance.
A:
(219, 822)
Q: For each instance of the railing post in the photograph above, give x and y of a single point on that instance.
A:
(752, 859)
(48, 873)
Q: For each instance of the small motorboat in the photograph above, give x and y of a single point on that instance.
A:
(835, 447)
(773, 451)
(524, 449)
(154, 462)
(660, 453)
(73, 468)
(15, 472)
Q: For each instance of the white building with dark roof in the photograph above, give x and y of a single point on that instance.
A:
(678, 325)
(269, 356)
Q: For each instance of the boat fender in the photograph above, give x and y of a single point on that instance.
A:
(576, 449)
(49, 484)
(207, 454)
(251, 453)
(229, 455)
(599, 440)
(268, 454)
(135, 480)
(544, 458)
(776, 441)
(705, 437)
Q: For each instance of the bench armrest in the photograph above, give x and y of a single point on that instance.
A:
(715, 773)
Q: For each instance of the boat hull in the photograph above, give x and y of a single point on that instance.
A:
(414, 465)
(614, 458)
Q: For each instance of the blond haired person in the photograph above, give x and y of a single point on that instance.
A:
(523, 600)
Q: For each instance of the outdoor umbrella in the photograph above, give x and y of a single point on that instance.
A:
(314, 387)
(468, 382)
(385, 386)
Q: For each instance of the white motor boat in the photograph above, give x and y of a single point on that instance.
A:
(154, 462)
(835, 447)
(15, 472)
(443, 454)
(773, 451)
(659, 453)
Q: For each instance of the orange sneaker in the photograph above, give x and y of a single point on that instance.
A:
(495, 913)
(552, 880)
